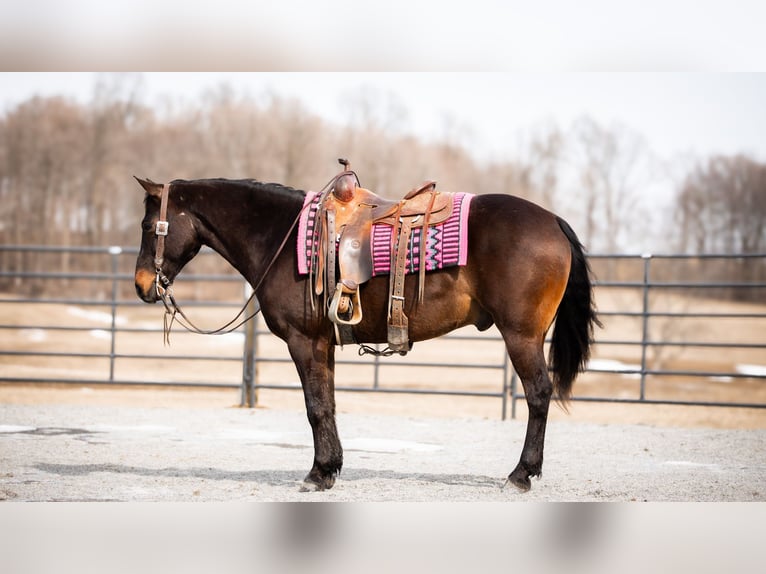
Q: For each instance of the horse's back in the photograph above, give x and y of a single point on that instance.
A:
(512, 215)
(512, 229)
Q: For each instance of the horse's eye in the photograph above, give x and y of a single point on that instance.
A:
(146, 226)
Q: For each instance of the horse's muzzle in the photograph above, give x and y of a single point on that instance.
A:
(146, 287)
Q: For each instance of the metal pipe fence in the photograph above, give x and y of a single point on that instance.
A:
(125, 348)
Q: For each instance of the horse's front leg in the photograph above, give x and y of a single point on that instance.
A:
(315, 361)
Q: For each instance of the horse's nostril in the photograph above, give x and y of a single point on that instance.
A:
(145, 296)
(141, 293)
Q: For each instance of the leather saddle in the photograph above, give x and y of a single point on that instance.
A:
(345, 218)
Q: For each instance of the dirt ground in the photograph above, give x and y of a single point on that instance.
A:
(128, 445)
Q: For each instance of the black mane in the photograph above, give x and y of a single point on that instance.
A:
(251, 184)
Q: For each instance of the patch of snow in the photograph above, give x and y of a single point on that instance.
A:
(690, 464)
(15, 428)
(34, 335)
(612, 365)
(100, 334)
(229, 339)
(754, 370)
(253, 435)
(389, 445)
(132, 428)
(95, 316)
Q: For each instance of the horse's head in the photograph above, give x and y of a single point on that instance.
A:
(165, 248)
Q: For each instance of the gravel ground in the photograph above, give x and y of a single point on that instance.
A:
(127, 453)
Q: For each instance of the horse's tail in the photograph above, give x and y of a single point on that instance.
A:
(575, 321)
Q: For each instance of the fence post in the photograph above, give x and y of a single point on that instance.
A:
(249, 366)
(647, 257)
(115, 252)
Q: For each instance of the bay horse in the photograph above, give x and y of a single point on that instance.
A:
(525, 268)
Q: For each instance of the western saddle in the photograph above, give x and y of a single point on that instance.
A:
(342, 254)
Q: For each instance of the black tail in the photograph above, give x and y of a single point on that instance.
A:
(575, 321)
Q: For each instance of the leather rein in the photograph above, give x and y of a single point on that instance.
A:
(164, 289)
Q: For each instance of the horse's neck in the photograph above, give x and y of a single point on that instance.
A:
(249, 230)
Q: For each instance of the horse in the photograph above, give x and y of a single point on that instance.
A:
(526, 271)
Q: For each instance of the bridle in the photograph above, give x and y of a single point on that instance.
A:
(163, 285)
(161, 282)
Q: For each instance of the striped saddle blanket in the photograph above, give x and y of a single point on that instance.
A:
(446, 243)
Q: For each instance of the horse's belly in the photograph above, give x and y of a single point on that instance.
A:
(428, 320)
(437, 318)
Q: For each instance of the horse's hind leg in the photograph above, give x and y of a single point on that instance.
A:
(529, 362)
(315, 361)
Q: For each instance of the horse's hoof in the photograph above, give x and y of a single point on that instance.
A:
(308, 486)
(314, 484)
(520, 479)
(523, 484)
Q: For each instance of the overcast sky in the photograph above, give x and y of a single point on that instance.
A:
(678, 113)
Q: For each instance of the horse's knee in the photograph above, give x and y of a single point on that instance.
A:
(320, 414)
(319, 407)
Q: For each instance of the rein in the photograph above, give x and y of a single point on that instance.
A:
(164, 286)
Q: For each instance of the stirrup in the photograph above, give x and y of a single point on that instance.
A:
(352, 298)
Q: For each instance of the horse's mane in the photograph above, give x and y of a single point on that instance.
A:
(248, 184)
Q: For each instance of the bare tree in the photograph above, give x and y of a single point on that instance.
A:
(543, 158)
(296, 140)
(374, 139)
(722, 206)
(614, 166)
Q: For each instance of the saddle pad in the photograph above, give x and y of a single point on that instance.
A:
(446, 243)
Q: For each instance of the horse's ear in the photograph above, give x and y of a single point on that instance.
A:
(149, 186)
